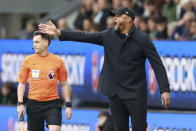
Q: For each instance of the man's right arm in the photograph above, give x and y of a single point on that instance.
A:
(95, 38)
(65, 35)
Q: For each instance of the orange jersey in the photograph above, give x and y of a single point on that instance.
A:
(43, 73)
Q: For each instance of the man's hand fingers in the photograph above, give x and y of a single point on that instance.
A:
(50, 23)
(162, 100)
(68, 114)
(43, 30)
(43, 26)
(167, 102)
(165, 99)
(19, 115)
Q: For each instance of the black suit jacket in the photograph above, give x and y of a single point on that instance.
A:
(123, 71)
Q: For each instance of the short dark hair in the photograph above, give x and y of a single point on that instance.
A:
(43, 35)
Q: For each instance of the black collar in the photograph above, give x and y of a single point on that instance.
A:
(133, 28)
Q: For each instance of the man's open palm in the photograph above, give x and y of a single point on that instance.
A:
(49, 28)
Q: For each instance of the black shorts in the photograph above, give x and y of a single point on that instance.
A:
(38, 112)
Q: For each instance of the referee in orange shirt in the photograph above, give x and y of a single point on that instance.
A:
(43, 70)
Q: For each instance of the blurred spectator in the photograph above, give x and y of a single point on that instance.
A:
(109, 22)
(152, 27)
(8, 94)
(183, 6)
(194, 6)
(192, 31)
(31, 26)
(181, 31)
(94, 28)
(143, 25)
(159, 3)
(137, 21)
(95, 8)
(138, 7)
(105, 122)
(62, 24)
(87, 25)
(149, 8)
(179, 11)
(79, 19)
(161, 26)
(169, 10)
(102, 14)
(127, 3)
(116, 4)
(88, 6)
(170, 28)
(86, 11)
(3, 32)
(95, 13)
(186, 5)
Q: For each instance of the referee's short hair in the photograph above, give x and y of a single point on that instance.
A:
(43, 35)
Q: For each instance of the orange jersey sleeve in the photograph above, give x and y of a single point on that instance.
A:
(24, 72)
(62, 73)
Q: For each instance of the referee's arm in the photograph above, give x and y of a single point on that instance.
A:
(22, 80)
(66, 93)
(20, 93)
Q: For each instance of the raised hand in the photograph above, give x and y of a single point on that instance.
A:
(49, 29)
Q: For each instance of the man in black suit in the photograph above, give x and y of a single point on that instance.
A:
(123, 76)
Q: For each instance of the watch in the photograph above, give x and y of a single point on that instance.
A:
(20, 103)
(68, 104)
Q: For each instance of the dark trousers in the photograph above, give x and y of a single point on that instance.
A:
(135, 108)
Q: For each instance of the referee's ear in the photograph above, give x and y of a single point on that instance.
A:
(46, 42)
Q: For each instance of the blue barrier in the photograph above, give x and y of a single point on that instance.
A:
(85, 120)
(84, 62)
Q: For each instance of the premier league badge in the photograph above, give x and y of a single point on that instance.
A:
(51, 75)
(35, 74)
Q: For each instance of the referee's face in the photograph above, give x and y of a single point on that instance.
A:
(39, 44)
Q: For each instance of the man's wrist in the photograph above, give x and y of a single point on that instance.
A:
(20, 103)
(68, 104)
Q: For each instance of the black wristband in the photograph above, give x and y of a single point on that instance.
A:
(20, 103)
(68, 104)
